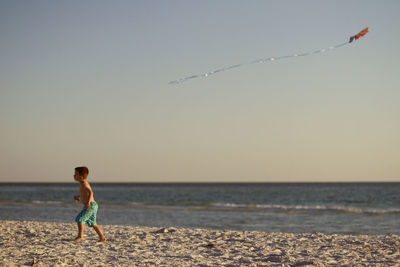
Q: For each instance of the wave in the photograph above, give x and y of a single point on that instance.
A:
(269, 208)
(46, 202)
(306, 208)
(12, 202)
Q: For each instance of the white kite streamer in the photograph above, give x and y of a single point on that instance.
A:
(263, 60)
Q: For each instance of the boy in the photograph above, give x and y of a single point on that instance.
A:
(89, 212)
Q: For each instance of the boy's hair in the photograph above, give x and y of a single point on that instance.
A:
(84, 171)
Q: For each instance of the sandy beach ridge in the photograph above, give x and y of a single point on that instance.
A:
(24, 243)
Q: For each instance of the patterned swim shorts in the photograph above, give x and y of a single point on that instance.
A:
(88, 216)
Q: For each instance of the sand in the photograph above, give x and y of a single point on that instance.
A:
(49, 244)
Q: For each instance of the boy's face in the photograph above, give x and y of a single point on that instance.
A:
(77, 177)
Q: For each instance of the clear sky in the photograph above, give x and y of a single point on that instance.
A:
(86, 83)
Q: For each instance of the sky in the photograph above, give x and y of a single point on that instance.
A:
(86, 83)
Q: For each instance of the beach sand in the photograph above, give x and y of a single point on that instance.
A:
(49, 244)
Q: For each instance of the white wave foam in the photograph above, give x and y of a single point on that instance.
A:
(306, 208)
(46, 202)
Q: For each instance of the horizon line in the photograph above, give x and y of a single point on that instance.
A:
(211, 183)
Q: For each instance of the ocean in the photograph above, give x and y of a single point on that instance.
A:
(330, 208)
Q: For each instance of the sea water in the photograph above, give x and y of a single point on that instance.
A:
(331, 208)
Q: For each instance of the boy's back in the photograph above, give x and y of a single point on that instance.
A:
(86, 193)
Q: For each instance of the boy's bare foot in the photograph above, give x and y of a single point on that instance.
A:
(78, 239)
(102, 239)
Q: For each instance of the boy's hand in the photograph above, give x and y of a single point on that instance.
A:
(77, 198)
(87, 206)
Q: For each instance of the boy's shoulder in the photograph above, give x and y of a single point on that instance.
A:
(85, 184)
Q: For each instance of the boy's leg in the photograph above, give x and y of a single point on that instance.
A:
(80, 232)
(99, 232)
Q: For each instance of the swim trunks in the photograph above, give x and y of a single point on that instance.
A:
(88, 216)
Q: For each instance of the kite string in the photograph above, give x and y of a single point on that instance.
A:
(261, 60)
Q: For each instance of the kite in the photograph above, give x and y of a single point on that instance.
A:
(263, 60)
(359, 35)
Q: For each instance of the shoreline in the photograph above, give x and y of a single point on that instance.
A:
(49, 243)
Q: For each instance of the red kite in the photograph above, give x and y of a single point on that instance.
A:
(359, 35)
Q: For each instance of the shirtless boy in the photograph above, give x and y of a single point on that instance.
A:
(89, 212)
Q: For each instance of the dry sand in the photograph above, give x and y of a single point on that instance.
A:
(49, 244)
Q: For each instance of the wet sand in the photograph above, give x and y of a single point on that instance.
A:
(50, 244)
